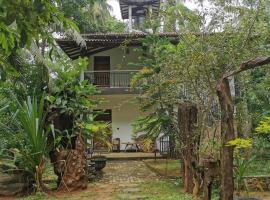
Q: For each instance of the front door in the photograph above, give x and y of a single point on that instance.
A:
(102, 71)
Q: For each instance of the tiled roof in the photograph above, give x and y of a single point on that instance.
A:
(101, 42)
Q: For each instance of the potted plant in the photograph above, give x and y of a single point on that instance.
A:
(100, 162)
(101, 132)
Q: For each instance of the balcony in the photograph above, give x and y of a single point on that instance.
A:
(111, 82)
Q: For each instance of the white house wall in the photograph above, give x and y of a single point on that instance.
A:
(125, 110)
(119, 60)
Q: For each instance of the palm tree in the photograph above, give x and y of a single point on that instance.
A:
(99, 10)
(89, 15)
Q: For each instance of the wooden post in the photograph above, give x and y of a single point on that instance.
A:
(227, 134)
(187, 118)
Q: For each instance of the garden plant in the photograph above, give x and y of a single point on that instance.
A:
(207, 90)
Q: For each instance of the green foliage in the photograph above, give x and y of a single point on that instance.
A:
(242, 165)
(257, 94)
(242, 160)
(22, 21)
(72, 97)
(227, 35)
(29, 149)
(9, 127)
(68, 94)
(92, 16)
(261, 146)
(101, 131)
(210, 149)
(31, 117)
(182, 17)
(157, 89)
(264, 126)
(259, 167)
(262, 139)
(240, 143)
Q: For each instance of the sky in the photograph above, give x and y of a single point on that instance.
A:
(116, 8)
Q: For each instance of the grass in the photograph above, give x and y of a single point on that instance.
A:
(70, 196)
(49, 177)
(151, 190)
(161, 190)
(169, 168)
(38, 196)
(259, 168)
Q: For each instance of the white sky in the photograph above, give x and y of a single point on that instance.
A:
(116, 7)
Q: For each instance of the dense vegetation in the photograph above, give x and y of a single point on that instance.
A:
(204, 80)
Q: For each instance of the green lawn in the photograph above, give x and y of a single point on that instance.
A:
(163, 190)
(70, 196)
(170, 168)
(153, 190)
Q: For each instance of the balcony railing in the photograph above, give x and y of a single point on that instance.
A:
(110, 79)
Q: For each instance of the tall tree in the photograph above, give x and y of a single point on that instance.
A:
(228, 33)
(92, 16)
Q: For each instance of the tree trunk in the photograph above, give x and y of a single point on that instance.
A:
(70, 164)
(227, 134)
(187, 117)
(227, 125)
(71, 167)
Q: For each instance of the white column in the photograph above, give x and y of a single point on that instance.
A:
(81, 79)
(150, 10)
(161, 28)
(82, 75)
(177, 28)
(130, 19)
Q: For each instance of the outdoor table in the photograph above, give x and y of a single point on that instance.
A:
(131, 144)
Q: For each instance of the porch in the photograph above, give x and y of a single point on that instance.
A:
(111, 81)
(163, 150)
(129, 155)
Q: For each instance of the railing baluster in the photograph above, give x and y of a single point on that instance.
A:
(113, 78)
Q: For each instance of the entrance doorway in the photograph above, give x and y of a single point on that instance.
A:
(102, 71)
(101, 144)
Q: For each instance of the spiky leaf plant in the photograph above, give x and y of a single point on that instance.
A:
(31, 116)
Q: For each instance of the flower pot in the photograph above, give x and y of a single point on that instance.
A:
(100, 162)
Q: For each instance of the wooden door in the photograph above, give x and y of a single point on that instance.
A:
(102, 71)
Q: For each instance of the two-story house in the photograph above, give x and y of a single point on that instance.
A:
(110, 66)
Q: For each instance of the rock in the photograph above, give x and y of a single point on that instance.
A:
(12, 184)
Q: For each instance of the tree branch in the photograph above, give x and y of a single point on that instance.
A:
(250, 64)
